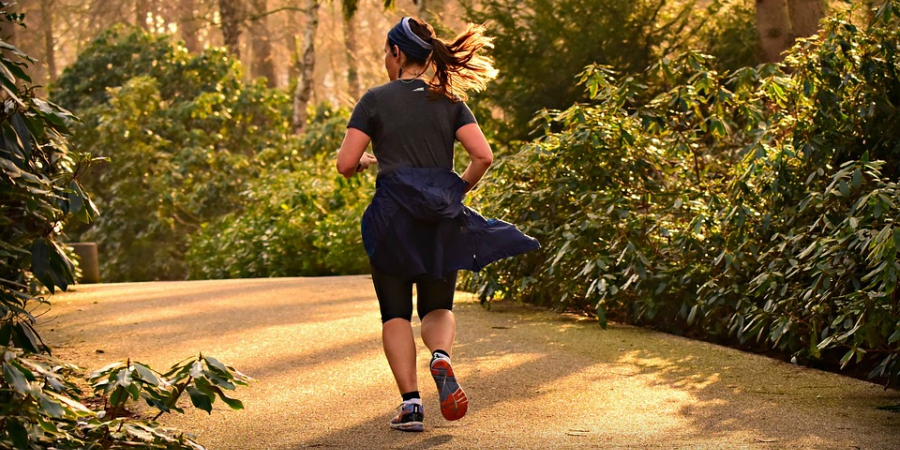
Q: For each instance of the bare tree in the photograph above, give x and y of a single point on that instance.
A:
(187, 24)
(805, 16)
(230, 12)
(263, 64)
(141, 10)
(290, 41)
(49, 43)
(774, 26)
(349, 9)
(423, 13)
(307, 66)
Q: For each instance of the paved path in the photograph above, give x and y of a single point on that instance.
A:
(535, 379)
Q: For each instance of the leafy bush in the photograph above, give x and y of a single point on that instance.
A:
(205, 177)
(541, 45)
(40, 189)
(301, 218)
(41, 186)
(48, 412)
(757, 206)
(184, 135)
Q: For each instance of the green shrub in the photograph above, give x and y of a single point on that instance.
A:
(41, 409)
(184, 135)
(756, 206)
(541, 46)
(40, 190)
(41, 187)
(300, 218)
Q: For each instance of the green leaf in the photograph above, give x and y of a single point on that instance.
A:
(146, 374)
(18, 433)
(693, 314)
(119, 396)
(200, 399)
(52, 407)
(847, 357)
(219, 366)
(104, 371)
(15, 378)
(40, 262)
(232, 403)
(895, 336)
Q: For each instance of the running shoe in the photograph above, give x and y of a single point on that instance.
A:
(454, 402)
(409, 418)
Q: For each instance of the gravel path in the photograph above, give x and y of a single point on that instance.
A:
(535, 379)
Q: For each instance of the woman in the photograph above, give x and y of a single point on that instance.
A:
(417, 231)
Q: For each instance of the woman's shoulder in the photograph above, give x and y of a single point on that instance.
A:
(382, 88)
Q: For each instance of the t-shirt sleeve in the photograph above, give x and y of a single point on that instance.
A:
(464, 116)
(363, 116)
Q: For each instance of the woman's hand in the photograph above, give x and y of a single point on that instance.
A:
(366, 161)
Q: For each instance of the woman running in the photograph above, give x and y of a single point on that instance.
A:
(417, 230)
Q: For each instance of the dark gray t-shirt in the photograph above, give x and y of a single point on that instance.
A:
(408, 126)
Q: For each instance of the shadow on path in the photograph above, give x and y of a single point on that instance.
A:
(535, 379)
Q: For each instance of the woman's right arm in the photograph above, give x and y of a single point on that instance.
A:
(351, 157)
(476, 145)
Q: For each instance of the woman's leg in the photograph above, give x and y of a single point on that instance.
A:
(400, 350)
(435, 307)
(439, 330)
(395, 301)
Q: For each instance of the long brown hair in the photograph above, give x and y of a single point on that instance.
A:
(459, 66)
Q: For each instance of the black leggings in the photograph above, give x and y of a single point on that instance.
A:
(395, 295)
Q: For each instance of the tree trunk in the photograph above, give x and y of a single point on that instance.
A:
(187, 23)
(263, 65)
(230, 11)
(307, 66)
(47, 25)
(422, 11)
(805, 16)
(291, 38)
(141, 9)
(350, 46)
(774, 26)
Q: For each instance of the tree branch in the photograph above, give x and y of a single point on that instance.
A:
(255, 17)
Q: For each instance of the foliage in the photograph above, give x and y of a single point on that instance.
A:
(731, 37)
(184, 135)
(540, 44)
(40, 189)
(40, 402)
(301, 218)
(757, 206)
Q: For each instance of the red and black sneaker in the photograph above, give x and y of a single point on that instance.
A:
(410, 418)
(454, 402)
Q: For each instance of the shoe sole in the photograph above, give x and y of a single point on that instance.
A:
(408, 426)
(454, 402)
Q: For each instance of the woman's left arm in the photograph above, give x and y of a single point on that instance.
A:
(352, 157)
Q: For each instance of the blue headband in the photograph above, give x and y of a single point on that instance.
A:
(411, 44)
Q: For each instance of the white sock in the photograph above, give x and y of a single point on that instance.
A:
(414, 401)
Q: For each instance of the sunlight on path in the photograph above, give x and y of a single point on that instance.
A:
(535, 379)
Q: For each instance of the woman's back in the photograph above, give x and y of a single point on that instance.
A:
(408, 126)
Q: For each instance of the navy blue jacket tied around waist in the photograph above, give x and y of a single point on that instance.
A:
(417, 225)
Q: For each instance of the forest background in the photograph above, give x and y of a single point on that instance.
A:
(721, 169)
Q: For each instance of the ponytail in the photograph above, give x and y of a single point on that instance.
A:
(458, 66)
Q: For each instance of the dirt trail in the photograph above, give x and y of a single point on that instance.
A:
(535, 379)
